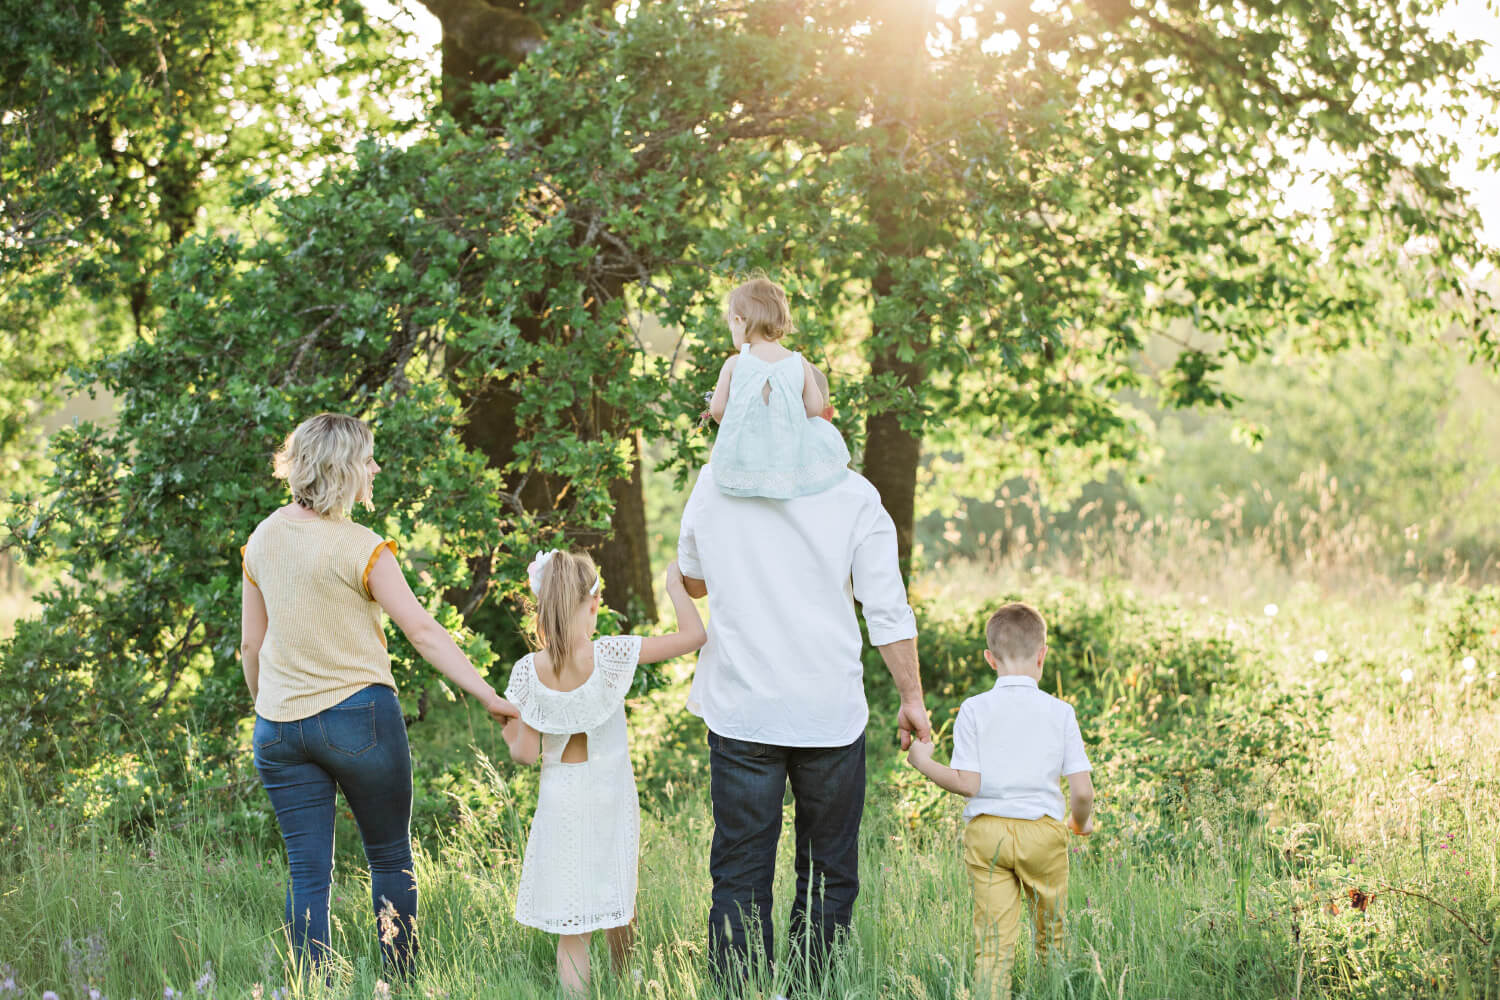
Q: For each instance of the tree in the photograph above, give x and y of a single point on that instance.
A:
(1024, 193)
(126, 125)
(483, 43)
(359, 296)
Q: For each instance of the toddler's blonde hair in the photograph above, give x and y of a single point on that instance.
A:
(1015, 633)
(763, 304)
(567, 580)
(323, 462)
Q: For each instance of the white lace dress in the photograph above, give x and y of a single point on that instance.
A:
(579, 874)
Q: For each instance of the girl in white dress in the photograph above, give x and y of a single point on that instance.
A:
(774, 438)
(579, 874)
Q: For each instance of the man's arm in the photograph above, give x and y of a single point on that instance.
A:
(695, 587)
(901, 660)
(893, 628)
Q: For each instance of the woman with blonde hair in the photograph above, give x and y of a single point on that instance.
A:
(326, 713)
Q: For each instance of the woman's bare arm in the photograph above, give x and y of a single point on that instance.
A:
(253, 624)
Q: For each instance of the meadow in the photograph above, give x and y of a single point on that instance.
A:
(1298, 797)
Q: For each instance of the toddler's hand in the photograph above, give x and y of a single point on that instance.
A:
(920, 752)
(1085, 830)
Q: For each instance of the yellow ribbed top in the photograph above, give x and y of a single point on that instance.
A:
(324, 639)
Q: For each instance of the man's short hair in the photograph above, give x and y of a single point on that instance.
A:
(1015, 633)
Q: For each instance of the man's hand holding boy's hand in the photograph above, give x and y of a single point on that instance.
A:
(1083, 831)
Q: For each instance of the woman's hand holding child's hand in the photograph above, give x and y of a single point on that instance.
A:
(1082, 831)
(500, 710)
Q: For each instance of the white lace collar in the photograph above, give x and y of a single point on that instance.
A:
(587, 706)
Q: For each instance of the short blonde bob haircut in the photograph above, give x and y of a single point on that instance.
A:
(323, 461)
(763, 304)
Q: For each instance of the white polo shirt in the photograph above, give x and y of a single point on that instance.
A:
(1022, 741)
(782, 662)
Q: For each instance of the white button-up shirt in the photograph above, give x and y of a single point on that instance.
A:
(782, 662)
(1022, 741)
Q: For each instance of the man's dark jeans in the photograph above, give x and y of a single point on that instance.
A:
(357, 746)
(748, 781)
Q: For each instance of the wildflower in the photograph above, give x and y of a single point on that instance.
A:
(1406, 676)
(1271, 610)
(257, 992)
(388, 928)
(382, 990)
(168, 993)
(1320, 656)
(1467, 680)
(205, 982)
(1469, 663)
(49, 995)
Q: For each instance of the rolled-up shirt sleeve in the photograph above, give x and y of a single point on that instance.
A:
(877, 579)
(687, 542)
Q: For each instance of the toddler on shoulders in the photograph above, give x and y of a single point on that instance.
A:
(773, 440)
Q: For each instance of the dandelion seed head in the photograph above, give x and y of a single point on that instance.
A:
(1320, 656)
(1407, 675)
(1271, 610)
(1469, 663)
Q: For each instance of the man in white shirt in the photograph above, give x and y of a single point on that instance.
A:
(780, 687)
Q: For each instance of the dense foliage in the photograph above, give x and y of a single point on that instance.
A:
(980, 218)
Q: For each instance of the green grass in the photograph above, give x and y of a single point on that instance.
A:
(1234, 824)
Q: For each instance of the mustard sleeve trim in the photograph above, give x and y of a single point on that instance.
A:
(245, 568)
(370, 565)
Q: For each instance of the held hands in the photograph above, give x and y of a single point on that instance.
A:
(1084, 830)
(912, 721)
(920, 753)
(500, 710)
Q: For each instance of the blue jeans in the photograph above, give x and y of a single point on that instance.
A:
(747, 783)
(358, 746)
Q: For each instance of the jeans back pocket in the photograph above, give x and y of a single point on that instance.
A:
(348, 729)
(266, 733)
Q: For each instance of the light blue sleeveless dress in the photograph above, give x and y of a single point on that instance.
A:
(767, 446)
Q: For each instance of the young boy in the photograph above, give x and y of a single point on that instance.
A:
(1011, 745)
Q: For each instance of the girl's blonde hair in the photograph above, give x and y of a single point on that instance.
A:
(763, 304)
(323, 461)
(567, 584)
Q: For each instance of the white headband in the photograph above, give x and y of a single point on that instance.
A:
(534, 573)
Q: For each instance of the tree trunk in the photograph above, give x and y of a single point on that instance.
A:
(483, 42)
(892, 453)
(625, 556)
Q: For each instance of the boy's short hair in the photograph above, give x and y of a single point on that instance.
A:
(763, 304)
(1015, 633)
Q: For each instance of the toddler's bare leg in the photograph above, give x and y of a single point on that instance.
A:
(621, 941)
(573, 962)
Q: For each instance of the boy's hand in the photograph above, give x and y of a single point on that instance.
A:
(920, 753)
(1083, 831)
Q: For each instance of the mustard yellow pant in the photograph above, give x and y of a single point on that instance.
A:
(1009, 859)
